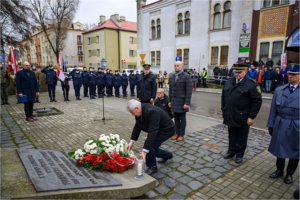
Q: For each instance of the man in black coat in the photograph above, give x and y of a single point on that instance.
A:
(27, 84)
(270, 62)
(146, 86)
(162, 101)
(180, 94)
(216, 73)
(241, 101)
(158, 125)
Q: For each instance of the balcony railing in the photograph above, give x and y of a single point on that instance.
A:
(80, 53)
(79, 42)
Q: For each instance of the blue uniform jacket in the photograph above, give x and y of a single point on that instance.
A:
(77, 80)
(108, 79)
(101, 78)
(117, 80)
(284, 118)
(27, 85)
(133, 79)
(124, 79)
(65, 82)
(85, 77)
(92, 78)
(137, 78)
(51, 78)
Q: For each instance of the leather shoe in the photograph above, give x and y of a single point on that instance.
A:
(276, 174)
(175, 137)
(164, 160)
(239, 160)
(288, 179)
(34, 119)
(180, 138)
(150, 171)
(227, 156)
(29, 119)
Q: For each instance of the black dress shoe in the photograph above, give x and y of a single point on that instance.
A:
(227, 156)
(150, 171)
(239, 160)
(276, 174)
(164, 160)
(288, 179)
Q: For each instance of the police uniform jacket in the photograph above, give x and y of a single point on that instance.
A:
(77, 80)
(51, 78)
(27, 85)
(132, 79)
(92, 78)
(85, 77)
(284, 118)
(117, 80)
(101, 78)
(240, 101)
(155, 122)
(137, 78)
(124, 80)
(146, 87)
(109, 79)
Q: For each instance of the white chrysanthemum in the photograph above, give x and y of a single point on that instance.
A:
(93, 151)
(103, 143)
(117, 137)
(94, 145)
(76, 157)
(87, 143)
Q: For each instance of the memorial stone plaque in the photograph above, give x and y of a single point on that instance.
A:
(55, 170)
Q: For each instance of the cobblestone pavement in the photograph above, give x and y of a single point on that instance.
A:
(197, 169)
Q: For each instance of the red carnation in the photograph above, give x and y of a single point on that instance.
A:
(95, 163)
(120, 169)
(113, 167)
(99, 159)
(79, 162)
(103, 156)
(106, 166)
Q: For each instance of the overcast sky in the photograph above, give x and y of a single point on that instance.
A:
(90, 10)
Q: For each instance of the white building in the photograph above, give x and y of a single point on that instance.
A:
(203, 33)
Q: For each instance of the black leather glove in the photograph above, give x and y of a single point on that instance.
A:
(270, 130)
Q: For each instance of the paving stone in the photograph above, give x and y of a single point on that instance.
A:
(175, 196)
(182, 189)
(195, 185)
(170, 182)
(199, 155)
(25, 144)
(216, 156)
(204, 147)
(162, 189)
(220, 169)
(191, 152)
(215, 175)
(175, 175)
(233, 163)
(194, 148)
(180, 153)
(216, 162)
(183, 149)
(174, 165)
(171, 149)
(184, 168)
(203, 179)
(200, 161)
(197, 166)
(190, 157)
(158, 175)
(177, 159)
(165, 169)
(194, 174)
(151, 194)
(206, 171)
(209, 165)
(27, 147)
(185, 179)
(209, 159)
(187, 162)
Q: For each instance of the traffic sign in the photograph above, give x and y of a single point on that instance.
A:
(66, 62)
(142, 56)
(124, 61)
(143, 62)
(178, 58)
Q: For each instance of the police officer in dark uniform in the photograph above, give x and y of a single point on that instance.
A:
(132, 81)
(146, 86)
(241, 101)
(37, 74)
(137, 75)
(100, 82)
(108, 82)
(51, 80)
(124, 83)
(77, 82)
(74, 71)
(84, 76)
(92, 82)
(117, 82)
(65, 86)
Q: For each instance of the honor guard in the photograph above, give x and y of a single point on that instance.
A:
(92, 82)
(51, 80)
(37, 74)
(241, 101)
(146, 86)
(124, 83)
(283, 125)
(117, 82)
(85, 77)
(77, 82)
(4, 84)
(132, 81)
(65, 86)
(101, 82)
(108, 82)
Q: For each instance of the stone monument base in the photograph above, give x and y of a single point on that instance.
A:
(15, 184)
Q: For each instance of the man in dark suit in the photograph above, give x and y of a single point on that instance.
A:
(180, 94)
(158, 125)
(146, 86)
(26, 83)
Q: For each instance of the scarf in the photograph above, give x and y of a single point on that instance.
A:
(177, 74)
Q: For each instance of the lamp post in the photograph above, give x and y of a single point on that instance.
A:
(139, 168)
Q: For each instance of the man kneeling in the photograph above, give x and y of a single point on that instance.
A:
(158, 125)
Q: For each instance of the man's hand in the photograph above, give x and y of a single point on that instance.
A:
(186, 106)
(151, 100)
(144, 155)
(250, 121)
(169, 104)
(282, 75)
(37, 94)
(130, 145)
(21, 95)
(138, 100)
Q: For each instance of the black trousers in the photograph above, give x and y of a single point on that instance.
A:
(160, 84)
(28, 107)
(291, 168)
(238, 137)
(145, 101)
(180, 123)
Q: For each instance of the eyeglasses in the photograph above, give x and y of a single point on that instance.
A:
(26, 65)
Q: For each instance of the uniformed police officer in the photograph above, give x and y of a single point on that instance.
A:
(51, 80)
(73, 72)
(146, 86)
(283, 125)
(132, 81)
(4, 84)
(84, 77)
(108, 82)
(124, 83)
(241, 101)
(77, 82)
(117, 82)
(100, 82)
(37, 74)
(137, 75)
(65, 86)
(92, 82)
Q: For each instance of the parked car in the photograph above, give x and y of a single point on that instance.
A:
(127, 71)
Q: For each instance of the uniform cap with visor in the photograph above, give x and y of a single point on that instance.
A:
(240, 67)
(293, 68)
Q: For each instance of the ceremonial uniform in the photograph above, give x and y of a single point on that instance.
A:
(65, 86)
(108, 83)
(92, 83)
(37, 74)
(146, 86)
(4, 85)
(132, 81)
(51, 80)
(124, 84)
(117, 81)
(77, 82)
(85, 77)
(100, 82)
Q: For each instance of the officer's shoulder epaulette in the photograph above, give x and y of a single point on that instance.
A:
(252, 79)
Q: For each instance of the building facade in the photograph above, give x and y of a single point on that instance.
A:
(113, 40)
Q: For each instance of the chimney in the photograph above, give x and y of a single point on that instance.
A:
(122, 18)
(102, 19)
(116, 20)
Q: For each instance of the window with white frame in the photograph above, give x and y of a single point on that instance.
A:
(186, 53)
(97, 39)
(277, 51)
(264, 51)
(79, 38)
(179, 24)
(157, 57)
(131, 53)
(158, 28)
(89, 40)
(131, 40)
(78, 27)
(187, 23)
(80, 58)
(269, 3)
(153, 29)
(227, 15)
(79, 50)
(224, 55)
(98, 52)
(90, 53)
(217, 16)
(153, 58)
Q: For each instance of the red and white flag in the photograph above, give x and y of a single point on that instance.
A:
(60, 73)
(13, 67)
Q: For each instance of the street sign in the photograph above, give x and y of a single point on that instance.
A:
(1, 57)
(178, 58)
(124, 61)
(142, 56)
(66, 62)
(143, 62)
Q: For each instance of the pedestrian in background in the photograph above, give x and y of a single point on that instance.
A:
(162, 101)
(277, 77)
(270, 62)
(252, 72)
(166, 80)
(180, 95)
(194, 77)
(65, 86)
(117, 82)
(241, 101)
(37, 74)
(125, 83)
(223, 74)
(92, 82)
(283, 125)
(109, 83)
(26, 84)
(51, 80)
(137, 78)
(269, 78)
(283, 72)
(146, 86)
(261, 63)
(260, 76)
(133, 82)
(216, 72)
(265, 68)
(204, 77)
(199, 79)
(231, 70)
(85, 79)
(160, 78)
(101, 82)
(4, 84)
(77, 82)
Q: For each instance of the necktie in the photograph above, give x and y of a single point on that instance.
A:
(292, 89)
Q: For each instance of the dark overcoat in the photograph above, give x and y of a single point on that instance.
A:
(146, 87)
(180, 92)
(85, 77)
(117, 80)
(27, 85)
(124, 80)
(284, 118)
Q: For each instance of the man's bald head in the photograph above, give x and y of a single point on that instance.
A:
(26, 66)
(178, 66)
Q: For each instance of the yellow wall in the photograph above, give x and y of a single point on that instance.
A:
(126, 46)
(111, 49)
